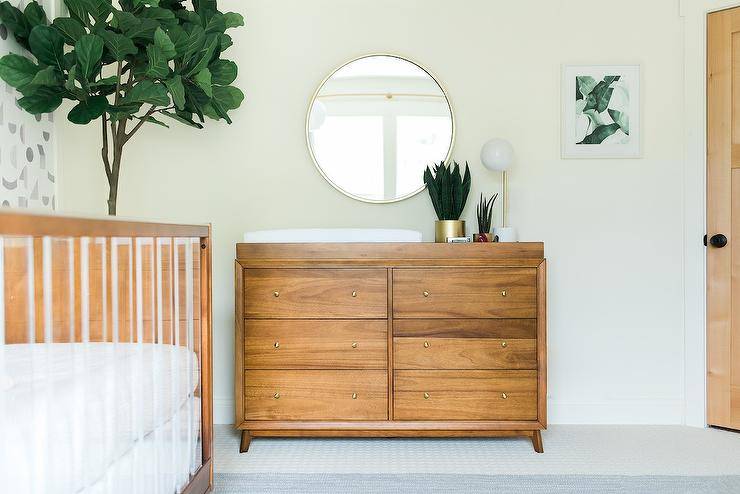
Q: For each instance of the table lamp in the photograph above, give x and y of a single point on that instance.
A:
(498, 155)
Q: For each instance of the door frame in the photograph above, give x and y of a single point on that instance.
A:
(695, 204)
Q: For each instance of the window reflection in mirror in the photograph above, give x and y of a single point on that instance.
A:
(375, 124)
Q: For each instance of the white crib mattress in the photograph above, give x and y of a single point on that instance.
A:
(70, 414)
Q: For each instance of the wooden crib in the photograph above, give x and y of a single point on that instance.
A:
(105, 356)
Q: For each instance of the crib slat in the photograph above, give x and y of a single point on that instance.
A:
(2, 291)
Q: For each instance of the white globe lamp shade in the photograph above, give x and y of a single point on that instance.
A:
(318, 115)
(497, 155)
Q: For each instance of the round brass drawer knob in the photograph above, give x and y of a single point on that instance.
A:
(354, 293)
(276, 293)
(426, 396)
(354, 344)
(277, 344)
(426, 344)
(354, 396)
(504, 396)
(276, 396)
(425, 293)
(504, 344)
(503, 293)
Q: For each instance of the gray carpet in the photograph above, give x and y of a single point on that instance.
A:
(254, 483)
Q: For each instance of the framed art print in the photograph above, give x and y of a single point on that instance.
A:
(601, 111)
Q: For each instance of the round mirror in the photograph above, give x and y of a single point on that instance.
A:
(375, 123)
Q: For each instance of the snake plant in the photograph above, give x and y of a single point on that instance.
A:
(485, 213)
(448, 189)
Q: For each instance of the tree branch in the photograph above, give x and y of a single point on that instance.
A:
(142, 121)
(116, 98)
(105, 150)
(159, 110)
(118, 83)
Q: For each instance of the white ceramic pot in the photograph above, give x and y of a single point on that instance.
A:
(506, 234)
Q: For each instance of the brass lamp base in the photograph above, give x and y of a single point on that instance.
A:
(444, 229)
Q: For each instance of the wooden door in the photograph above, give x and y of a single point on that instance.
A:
(723, 218)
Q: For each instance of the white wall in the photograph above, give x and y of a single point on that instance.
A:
(613, 229)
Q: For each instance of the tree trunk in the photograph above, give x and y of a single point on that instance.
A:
(112, 198)
(113, 169)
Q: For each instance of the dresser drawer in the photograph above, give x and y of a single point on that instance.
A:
(316, 395)
(466, 328)
(315, 344)
(464, 353)
(315, 293)
(465, 293)
(465, 395)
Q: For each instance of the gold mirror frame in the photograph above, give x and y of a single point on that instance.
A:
(313, 100)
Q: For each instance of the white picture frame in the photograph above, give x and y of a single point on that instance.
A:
(605, 121)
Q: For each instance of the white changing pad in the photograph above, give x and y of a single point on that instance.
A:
(68, 412)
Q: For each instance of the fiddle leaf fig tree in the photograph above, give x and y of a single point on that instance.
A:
(125, 64)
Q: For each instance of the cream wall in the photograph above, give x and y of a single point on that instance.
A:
(613, 229)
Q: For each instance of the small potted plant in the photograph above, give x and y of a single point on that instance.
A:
(485, 215)
(449, 190)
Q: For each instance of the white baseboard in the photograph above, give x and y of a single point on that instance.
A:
(660, 412)
(645, 412)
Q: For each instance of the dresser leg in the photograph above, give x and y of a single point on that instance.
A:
(537, 442)
(246, 439)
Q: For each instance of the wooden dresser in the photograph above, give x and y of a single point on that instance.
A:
(391, 340)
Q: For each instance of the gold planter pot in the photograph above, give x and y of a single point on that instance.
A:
(444, 229)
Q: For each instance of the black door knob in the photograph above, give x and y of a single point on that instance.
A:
(718, 240)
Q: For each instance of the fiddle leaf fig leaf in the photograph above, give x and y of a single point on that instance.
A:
(77, 10)
(160, 53)
(17, 71)
(183, 118)
(48, 76)
(225, 42)
(15, 21)
(223, 72)
(47, 45)
(187, 40)
(71, 29)
(98, 9)
(89, 50)
(228, 97)
(147, 91)
(153, 120)
(233, 19)
(203, 56)
(122, 111)
(164, 17)
(125, 21)
(145, 30)
(44, 100)
(177, 91)
(203, 80)
(164, 44)
(35, 14)
(106, 81)
(118, 45)
(216, 24)
(87, 111)
(152, 3)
